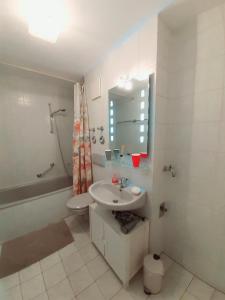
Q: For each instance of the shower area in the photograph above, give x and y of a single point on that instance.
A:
(36, 124)
(190, 135)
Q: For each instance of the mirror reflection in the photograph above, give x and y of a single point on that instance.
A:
(129, 112)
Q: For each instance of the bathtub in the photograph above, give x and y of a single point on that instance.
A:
(15, 195)
(31, 207)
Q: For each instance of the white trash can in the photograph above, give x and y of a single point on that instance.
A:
(153, 274)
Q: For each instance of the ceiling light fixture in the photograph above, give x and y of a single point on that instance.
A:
(46, 18)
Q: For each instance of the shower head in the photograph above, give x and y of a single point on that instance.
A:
(57, 111)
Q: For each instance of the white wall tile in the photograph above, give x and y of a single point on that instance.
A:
(211, 42)
(209, 74)
(197, 193)
(207, 106)
(209, 18)
(26, 142)
(136, 55)
(205, 136)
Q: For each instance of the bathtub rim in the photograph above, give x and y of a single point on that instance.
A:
(30, 199)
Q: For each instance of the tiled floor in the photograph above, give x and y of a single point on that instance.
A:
(79, 272)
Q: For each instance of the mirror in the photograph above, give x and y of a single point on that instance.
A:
(129, 115)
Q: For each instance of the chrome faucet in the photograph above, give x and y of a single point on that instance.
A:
(123, 182)
(170, 169)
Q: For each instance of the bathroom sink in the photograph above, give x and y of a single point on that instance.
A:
(113, 198)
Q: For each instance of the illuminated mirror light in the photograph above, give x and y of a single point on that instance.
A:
(121, 83)
(111, 130)
(143, 75)
(142, 117)
(111, 103)
(111, 112)
(111, 121)
(142, 139)
(142, 93)
(111, 138)
(125, 83)
(142, 128)
(128, 85)
(142, 105)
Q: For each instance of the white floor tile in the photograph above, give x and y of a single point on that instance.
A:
(188, 296)
(54, 275)
(61, 291)
(88, 252)
(9, 281)
(167, 262)
(200, 289)
(72, 221)
(43, 296)
(97, 267)
(175, 282)
(67, 251)
(30, 272)
(75, 226)
(109, 284)
(80, 280)
(32, 288)
(86, 226)
(13, 294)
(91, 293)
(218, 296)
(122, 295)
(136, 287)
(49, 261)
(81, 239)
(72, 263)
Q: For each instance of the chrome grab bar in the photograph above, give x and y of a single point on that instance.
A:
(40, 175)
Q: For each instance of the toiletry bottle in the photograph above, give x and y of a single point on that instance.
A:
(115, 179)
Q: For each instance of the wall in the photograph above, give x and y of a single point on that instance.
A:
(191, 118)
(26, 145)
(136, 56)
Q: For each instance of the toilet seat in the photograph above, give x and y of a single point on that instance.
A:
(80, 202)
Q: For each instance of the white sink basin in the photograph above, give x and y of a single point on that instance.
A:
(113, 198)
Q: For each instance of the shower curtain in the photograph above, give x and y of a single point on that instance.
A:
(82, 167)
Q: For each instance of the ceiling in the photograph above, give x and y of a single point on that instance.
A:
(183, 11)
(95, 27)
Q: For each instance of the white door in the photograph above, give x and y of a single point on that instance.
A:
(97, 231)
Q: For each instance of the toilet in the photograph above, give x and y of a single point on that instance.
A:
(79, 204)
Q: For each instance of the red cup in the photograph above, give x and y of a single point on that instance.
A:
(136, 159)
(144, 155)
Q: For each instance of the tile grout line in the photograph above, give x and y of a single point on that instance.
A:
(185, 291)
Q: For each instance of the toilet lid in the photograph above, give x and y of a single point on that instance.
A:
(79, 201)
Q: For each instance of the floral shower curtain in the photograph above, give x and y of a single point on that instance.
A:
(82, 167)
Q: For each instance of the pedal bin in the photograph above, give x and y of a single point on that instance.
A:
(153, 274)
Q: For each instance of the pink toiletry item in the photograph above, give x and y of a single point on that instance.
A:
(144, 155)
(115, 180)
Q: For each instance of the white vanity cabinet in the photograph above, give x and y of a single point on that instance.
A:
(123, 252)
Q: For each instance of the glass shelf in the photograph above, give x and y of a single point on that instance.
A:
(126, 161)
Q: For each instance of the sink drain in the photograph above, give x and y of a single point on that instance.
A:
(115, 201)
